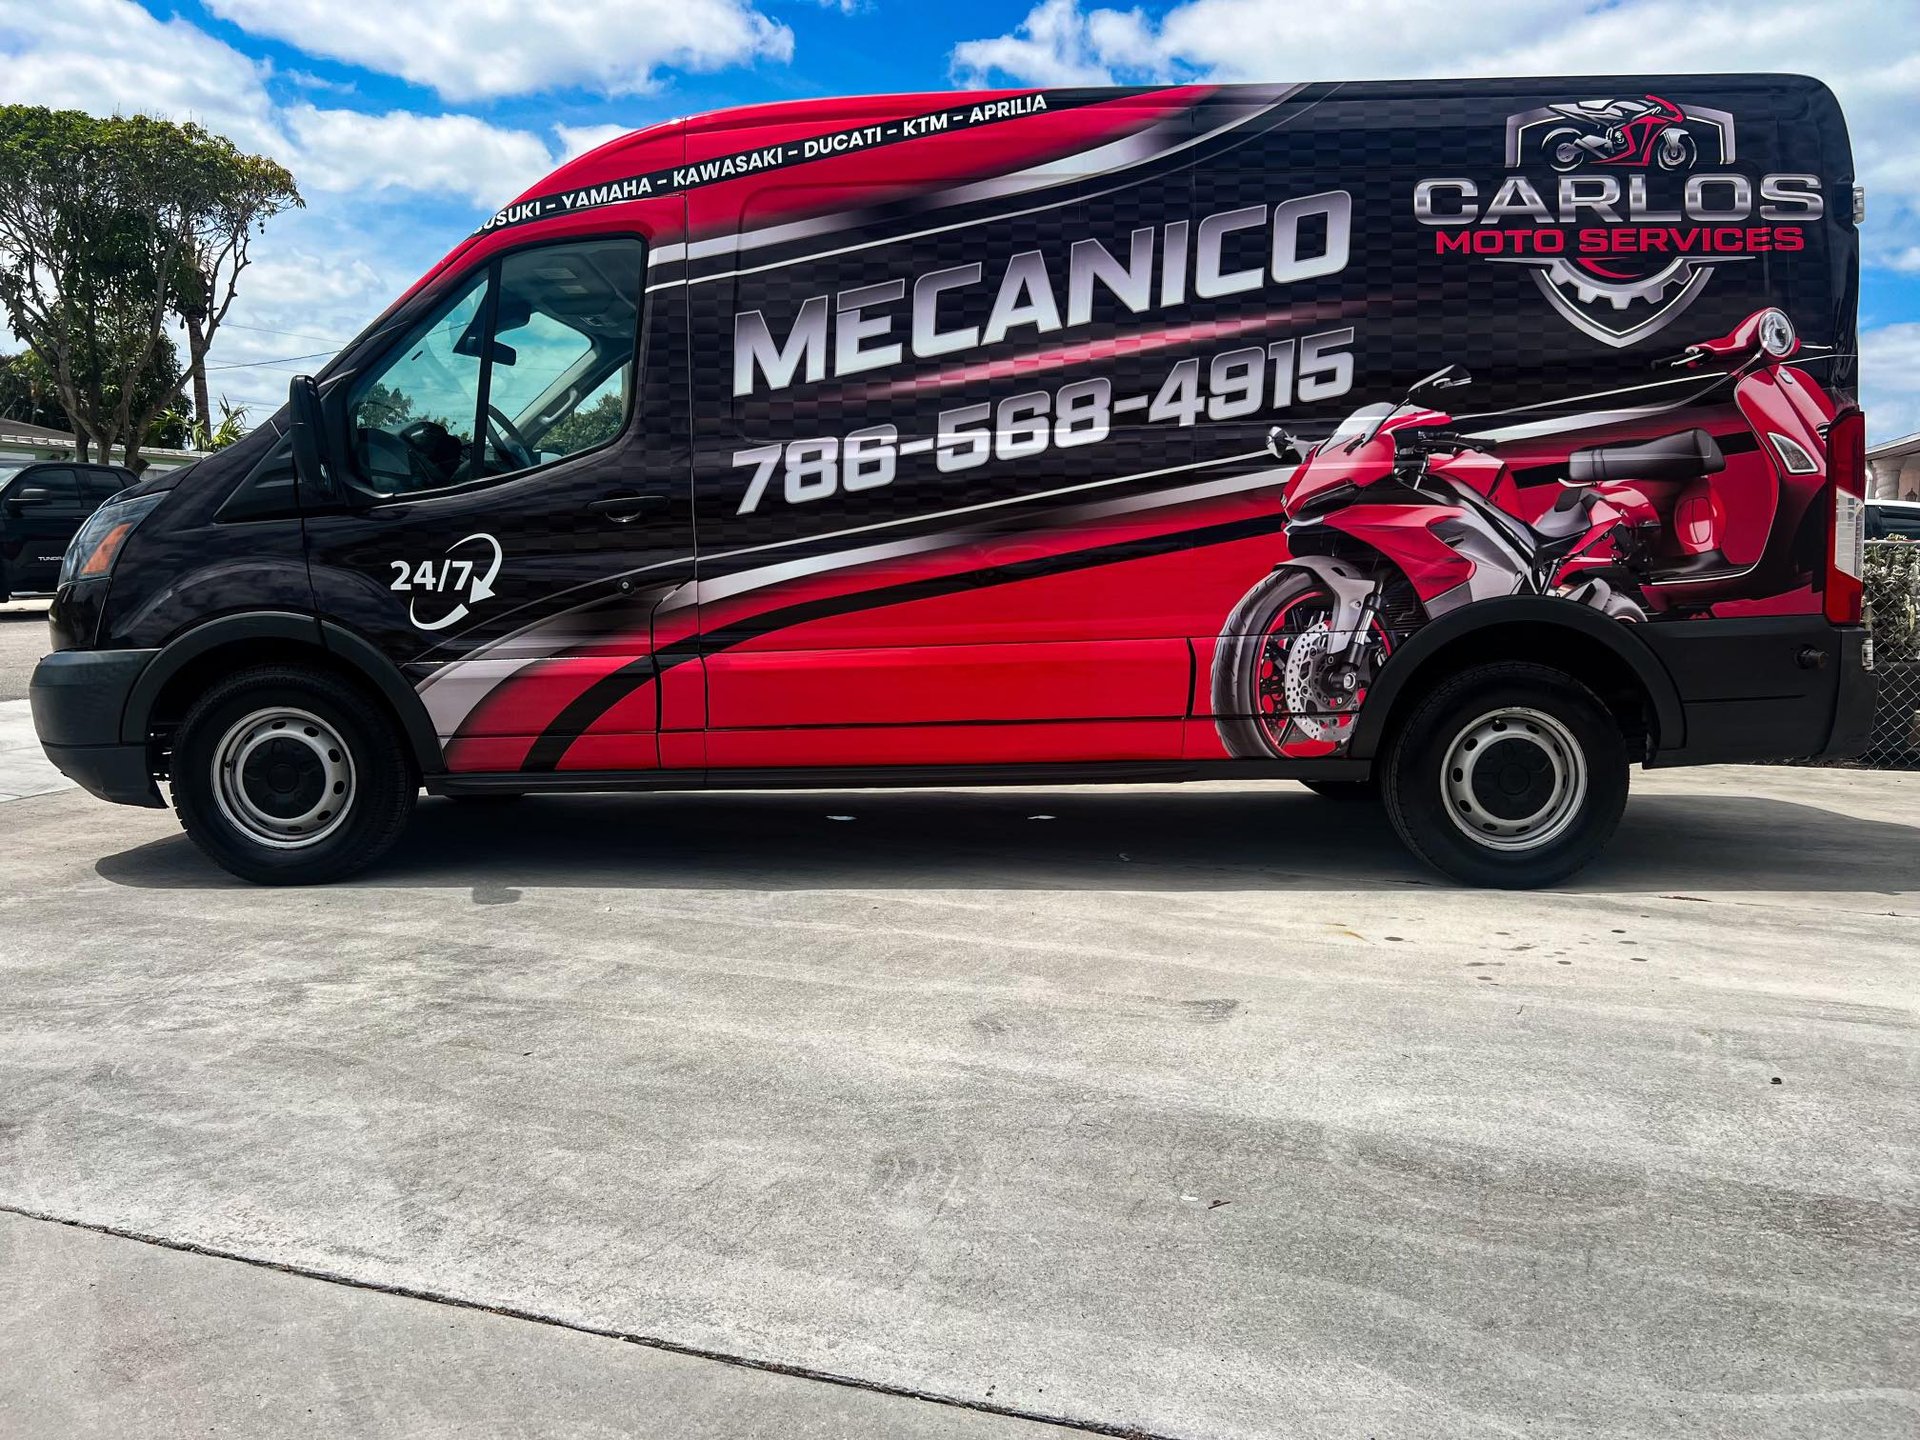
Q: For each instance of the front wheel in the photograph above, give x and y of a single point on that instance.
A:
(287, 775)
(1509, 775)
(1277, 689)
(1676, 151)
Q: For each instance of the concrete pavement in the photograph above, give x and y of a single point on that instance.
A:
(23, 640)
(24, 767)
(1202, 1111)
(110, 1336)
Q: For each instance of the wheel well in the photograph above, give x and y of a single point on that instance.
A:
(1589, 660)
(202, 672)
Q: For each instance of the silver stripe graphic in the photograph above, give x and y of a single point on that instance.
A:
(490, 647)
(1042, 177)
(746, 581)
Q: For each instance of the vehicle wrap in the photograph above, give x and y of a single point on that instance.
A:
(958, 411)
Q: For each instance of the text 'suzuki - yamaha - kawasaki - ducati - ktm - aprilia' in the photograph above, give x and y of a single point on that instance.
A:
(1397, 517)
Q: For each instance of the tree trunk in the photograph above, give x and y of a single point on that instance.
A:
(197, 341)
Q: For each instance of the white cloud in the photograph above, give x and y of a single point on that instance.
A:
(111, 55)
(344, 150)
(387, 193)
(1054, 45)
(577, 140)
(103, 55)
(475, 49)
(1890, 379)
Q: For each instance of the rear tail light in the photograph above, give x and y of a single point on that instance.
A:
(1846, 557)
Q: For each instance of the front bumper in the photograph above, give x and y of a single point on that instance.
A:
(79, 697)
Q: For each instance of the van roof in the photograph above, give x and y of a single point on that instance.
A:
(689, 156)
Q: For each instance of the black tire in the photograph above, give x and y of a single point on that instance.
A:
(376, 775)
(1237, 661)
(1347, 792)
(1573, 766)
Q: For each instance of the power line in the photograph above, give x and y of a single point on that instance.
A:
(262, 364)
(290, 334)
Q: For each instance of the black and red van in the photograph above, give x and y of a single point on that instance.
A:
(1455, 443)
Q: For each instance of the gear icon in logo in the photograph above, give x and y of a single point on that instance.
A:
(1585, 299)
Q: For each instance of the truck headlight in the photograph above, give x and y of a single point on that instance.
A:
(97, 544)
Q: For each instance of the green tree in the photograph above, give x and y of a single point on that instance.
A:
(28, 391)
(233, 422)
(107, 227)
(591, 425)
(240, 193)
(383, 408)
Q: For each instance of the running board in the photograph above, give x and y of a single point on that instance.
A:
(883, 777)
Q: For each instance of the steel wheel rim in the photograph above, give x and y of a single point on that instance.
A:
(1514, 779)
(283, 777)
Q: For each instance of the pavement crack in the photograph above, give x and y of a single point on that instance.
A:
(651, 1342)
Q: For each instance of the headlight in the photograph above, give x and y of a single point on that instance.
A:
(98, 543)
(1776, 334)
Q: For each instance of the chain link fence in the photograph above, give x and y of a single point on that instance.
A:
(1893, 599)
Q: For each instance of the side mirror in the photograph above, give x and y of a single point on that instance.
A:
(29, 497)
(312, 462)
(1283, 447)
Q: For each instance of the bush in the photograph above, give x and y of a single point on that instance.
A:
(1893, 593)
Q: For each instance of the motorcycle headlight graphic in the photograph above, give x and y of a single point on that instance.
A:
(1776, 334)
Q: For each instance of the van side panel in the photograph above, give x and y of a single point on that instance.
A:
(980, 391)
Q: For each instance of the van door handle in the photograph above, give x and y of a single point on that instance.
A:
(625, 509)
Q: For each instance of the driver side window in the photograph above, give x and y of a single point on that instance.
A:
(535, 357)
(413, 420)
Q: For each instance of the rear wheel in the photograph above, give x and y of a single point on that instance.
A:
(1508, 775)
(291, 776)
(1562, 150)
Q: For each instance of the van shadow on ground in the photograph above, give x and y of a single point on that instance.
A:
(1278, 839)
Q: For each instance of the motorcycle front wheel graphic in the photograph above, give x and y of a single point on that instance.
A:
(1277, 690)
(1676, 151)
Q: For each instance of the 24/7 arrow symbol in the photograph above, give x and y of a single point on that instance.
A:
(475, 580)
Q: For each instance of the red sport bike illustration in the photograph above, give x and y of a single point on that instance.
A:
(1632, 133)
(1397, 518)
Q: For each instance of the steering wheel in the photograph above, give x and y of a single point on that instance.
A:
(434, 456)
(511, 441)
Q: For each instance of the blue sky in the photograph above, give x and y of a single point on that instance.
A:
(406, 121)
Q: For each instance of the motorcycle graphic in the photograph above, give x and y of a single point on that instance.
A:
(1632, 133)
(1397, 518)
